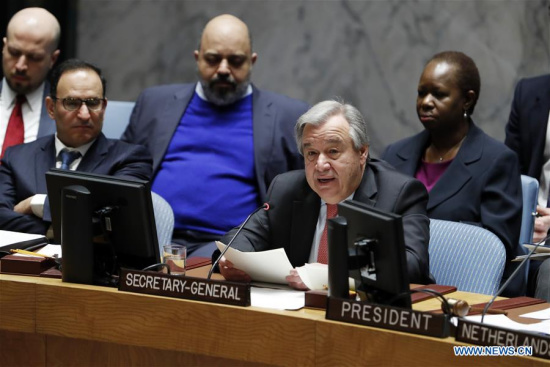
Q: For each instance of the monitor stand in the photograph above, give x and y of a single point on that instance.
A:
(76, 235)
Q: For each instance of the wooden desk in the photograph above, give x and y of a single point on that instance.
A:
(45, 322)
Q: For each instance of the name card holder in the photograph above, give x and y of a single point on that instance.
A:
(176, 286)
(489, 335)
(388, 317)
(25, 265)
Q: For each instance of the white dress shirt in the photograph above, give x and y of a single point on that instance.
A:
(32, 109)
(319, 230)
(38, 200)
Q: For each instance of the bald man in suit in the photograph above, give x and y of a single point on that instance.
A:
(30, 49)
(222, 140)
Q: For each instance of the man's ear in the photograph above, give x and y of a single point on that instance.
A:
(364, 153)
(50, 106)
(54, 57)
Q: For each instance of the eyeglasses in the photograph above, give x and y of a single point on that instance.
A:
(73, 104)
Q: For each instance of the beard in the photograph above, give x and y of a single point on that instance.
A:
(18, 87)
(223, 91)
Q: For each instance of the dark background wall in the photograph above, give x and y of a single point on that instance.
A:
(64, 10)
(370, 53)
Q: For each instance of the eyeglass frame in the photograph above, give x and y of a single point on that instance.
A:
(82, 101)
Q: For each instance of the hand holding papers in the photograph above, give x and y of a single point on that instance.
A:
(315, 276)
(273, 266)
(266, 266)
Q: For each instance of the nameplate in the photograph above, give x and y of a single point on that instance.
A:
(387, 317)
(488, 335)
(159, 284)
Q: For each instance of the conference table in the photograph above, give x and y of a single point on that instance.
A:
(46, 322)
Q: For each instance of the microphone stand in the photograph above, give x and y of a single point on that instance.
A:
(488, 305)
(265, 206)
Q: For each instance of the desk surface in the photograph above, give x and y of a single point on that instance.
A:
(47, 322)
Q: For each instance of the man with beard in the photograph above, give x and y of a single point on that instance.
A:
(29, 52)
(216, 144)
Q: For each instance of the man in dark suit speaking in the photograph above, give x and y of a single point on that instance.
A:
(216, 144)
(332, 137)
(77, 104)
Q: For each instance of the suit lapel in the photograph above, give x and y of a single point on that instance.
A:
(46, 125)
(458, 173)
(303, 229)
(367, 190)
(538, 122)
(168, 122)
(263, 122)
(44, 161)
(411, 154)
(95, 155)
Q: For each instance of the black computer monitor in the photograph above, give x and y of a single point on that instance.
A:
(367, 245)
(124, 231)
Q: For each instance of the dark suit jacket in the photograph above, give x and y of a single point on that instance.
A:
(23, 169)
(481, 186)
(291, 221)
(158, 112)
(46, 125)
(526, 128)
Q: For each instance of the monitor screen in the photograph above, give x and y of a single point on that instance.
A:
(126, 230)
(367, 245)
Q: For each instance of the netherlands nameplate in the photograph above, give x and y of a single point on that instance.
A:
(175, 286)
(488, 335)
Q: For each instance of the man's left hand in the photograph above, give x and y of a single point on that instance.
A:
(24, 207)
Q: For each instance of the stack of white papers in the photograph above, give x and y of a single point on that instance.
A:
(18, 240)
(505, 322)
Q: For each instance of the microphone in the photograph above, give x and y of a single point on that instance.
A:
(511, 277)
(266, 207)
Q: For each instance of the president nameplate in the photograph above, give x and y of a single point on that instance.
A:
(387, 317)
(489, 335)
(175, 286)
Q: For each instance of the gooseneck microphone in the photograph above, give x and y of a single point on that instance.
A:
(511, 277)
(266, 207)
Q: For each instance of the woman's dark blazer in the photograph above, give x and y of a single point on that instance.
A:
(481, 186)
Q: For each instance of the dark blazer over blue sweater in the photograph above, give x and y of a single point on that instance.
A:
(159, 110)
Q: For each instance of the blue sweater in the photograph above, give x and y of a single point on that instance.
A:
(208, 171)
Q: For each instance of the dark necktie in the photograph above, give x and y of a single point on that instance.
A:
(68, 157)
(322, 255)
(15, 133)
